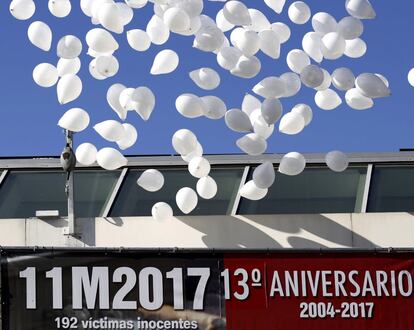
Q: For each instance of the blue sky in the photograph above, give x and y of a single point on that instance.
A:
(28, 124)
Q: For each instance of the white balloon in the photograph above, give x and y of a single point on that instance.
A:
(385, 80)
(259, 21)
(125, 99)
(209, 38)
(371, 86)
(293, 163)
(324, 23)
(69, 47)
(94, 71)
(161, 211)
(292, 123)
(127, 14)
(252, 144)
(110, 130)
(305, 111)
(68, 66)
(361, 9)
(206, 187)
(69, 88)
(96, 54)
(333, 45)
(357, 101)
(282, 30)
(228, 57)
(95, 8)
(40, 35)
(214, 107)
(355, 48)
(86, 7)
(107, 66)
(151, 180)
(190, 105)
(45, 75)
(250, 103)
(186, 199)
(264, 175)
(101, 41)
(297, 59)
(129, 138)
(223, 24)
(238, 121)
(337, 161)
(199, 167)
(343, 79)
(252, 192)
(312, 44)
(136, 4)
(410, 77)
(59, 8)
(312, 76)
(299, 12)
(247, 67)
(236, 13)
(138, 40)
(260, 126)
(86, 154)
(269, 43)
(166, 61)
(112, 97)
(292, 83)
(270, 87)
(248, 42)
(327, 99)
(327, 80)
(110, 159)
(157, 31)
(191, 7)
(176, 19)
(144, 100)
(271, 110)
(350, 28)
(184, 141)
(111, 18)
(276, 5)
(205, 78)
(22, 9)
(75, 120)
(197, 152)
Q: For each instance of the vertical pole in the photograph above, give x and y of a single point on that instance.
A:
(70, 190)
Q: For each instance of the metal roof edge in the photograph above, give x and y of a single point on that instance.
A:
(223, 159)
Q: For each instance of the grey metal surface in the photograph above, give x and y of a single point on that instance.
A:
(366, 189)
(229, 159)
(114, 193)
(238, 197)
(2, 176)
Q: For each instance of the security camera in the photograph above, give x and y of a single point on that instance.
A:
(68, 159)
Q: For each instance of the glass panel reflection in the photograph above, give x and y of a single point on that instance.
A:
(315, 190)
(135, 201)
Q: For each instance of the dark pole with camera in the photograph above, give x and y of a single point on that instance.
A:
(68, 162)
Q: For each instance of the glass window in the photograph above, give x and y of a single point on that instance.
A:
(392, 189)
(24, 192)
(92, 191)
(315, 190)
(135, 201)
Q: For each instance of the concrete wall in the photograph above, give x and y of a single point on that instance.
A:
(366, 230)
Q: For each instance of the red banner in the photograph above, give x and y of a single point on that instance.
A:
(315, 291)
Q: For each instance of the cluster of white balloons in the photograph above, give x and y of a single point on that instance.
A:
(122, 100)
(249, 32)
